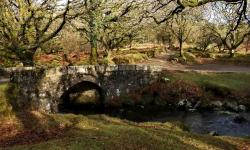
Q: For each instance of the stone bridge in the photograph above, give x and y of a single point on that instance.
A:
(44, 88)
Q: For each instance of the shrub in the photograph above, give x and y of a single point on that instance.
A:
(175, 90)
(185, 90)
(190, 57)
(217, 90)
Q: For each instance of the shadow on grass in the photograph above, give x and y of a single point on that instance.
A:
(20, 126)
(32, 130)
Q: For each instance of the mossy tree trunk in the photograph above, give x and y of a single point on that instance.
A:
(93, 45)
(93, 36)
(180, 48)
(180, 40)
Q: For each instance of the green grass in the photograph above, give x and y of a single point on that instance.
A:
(232, 81)
(103, 132)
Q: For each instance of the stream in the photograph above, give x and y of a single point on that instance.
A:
(221, 123)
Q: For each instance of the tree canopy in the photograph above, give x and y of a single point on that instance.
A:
(26, 25)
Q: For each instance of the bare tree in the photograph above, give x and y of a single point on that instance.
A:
(223, 27)
(166, 8)
(181, 29)
(205, 37)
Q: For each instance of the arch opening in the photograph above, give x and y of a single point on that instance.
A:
(85, 97)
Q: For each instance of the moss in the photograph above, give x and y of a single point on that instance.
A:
(192, 3)
(129, 58)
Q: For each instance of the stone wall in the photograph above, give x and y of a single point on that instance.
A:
(41, 88)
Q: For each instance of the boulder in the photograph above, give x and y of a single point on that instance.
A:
(213, 133)
(217, 104)
(239, 119)
(242, 108)
(184, 104)
(232, 106)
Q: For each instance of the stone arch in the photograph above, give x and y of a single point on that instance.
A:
(81, 86)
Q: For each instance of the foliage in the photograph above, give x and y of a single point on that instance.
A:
(28, 28)
(26, 25)
(181, 29)
(108, 23)
(206, 39)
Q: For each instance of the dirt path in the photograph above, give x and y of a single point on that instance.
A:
(210, 67)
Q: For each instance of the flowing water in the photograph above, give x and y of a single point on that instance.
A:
(219, 122)
(223, 123)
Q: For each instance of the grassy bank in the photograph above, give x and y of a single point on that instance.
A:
(233, 81)
(103, 132)
(33, 130)
(222, 86)
(202, 89)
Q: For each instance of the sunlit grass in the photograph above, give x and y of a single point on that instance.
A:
(103, 132)
(232, 81)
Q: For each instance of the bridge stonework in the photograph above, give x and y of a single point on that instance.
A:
(42, 88)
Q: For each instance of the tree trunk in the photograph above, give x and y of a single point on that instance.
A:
(220, 48)
(26, 58)
(93, 39)
(231, 53)
(247, 44)
(130, 44)
(180, 49)
(93, 55)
